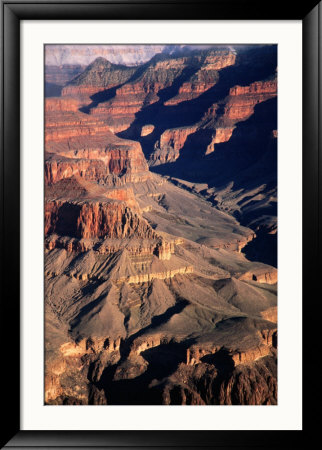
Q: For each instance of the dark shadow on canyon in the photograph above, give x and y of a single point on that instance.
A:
(222, 360)
(250, 145)
(100, 97)
(162, 361)
(263, 248)
(190, 112)
(108, 94)
(52, 90)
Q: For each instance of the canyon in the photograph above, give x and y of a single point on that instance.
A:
(160, 225)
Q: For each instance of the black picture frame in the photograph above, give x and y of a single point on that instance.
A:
(310, 13)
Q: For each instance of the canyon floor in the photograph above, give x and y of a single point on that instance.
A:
(161, 226)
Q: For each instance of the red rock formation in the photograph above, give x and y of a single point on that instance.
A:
(65, 124)
(82, 144)
(221, 135)
(122, 259)
(206, 77)
(258, 87)
(94, 156)
(82, 93)
(270, 314)
(90, 219)
(100, 75)
(167, 149)
(59, 168)
(124, 195)
(267, 341)
(131, 97)
(147, 129)
(238, 106)
(61, 104)
(176, 137)
(242, 99)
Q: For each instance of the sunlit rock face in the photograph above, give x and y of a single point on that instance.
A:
(205, 77)
(100, 76)
(160, 225)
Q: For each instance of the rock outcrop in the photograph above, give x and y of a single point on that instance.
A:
(100, 75)
(167, 149)
(221, 135)
(88, 219)
(147, 129)
(159, 74)
(242, 99)
(60, 104)
(204, 78)
(87, 148)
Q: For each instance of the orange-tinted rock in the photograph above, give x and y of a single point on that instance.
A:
(251, 355)
(165, 249)
(244, 98)
(90, 219)
(270, 314)
(206, 77)
(147, 129)
(259, 87)
(68, 123)
(261, 276)
(221, 135)
(132, 96)
(82, 93)
(171, 141)
(238, 106)
(59, 168)
(106, 266)
(100, 75)
(176, 137)
(61, 104)
(124, 195)
(95, 156)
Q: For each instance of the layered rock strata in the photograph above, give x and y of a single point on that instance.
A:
(204, 78)
(77, 144)
(99, 76)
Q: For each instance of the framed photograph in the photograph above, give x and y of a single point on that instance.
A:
(160, 223)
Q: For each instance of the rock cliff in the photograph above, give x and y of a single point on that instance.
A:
(100, 75)
(88, 219)
(204, 78)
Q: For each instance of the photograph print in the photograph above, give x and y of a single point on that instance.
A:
(160, 224)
